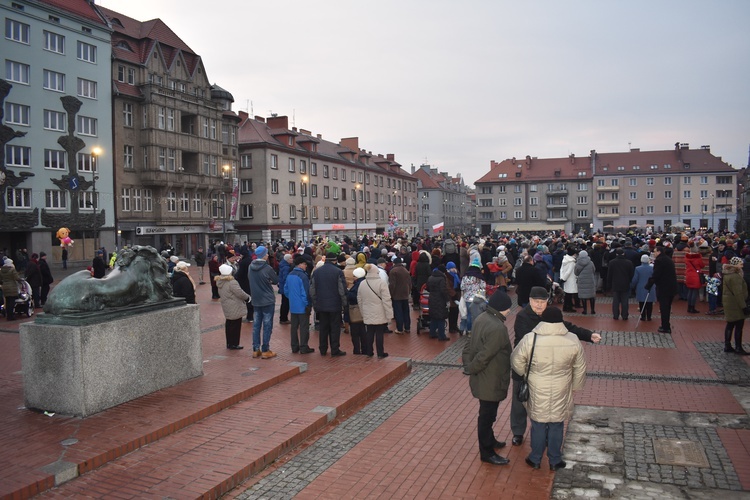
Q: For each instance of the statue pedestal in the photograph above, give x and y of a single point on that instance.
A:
(83, 369)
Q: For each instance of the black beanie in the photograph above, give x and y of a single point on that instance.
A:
(552, 315)
(500, 301)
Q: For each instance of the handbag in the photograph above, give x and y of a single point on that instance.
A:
(523, 386)
(355, 315)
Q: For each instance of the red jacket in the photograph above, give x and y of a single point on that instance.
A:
(693, 267)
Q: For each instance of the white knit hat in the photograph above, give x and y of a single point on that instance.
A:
(225, 270)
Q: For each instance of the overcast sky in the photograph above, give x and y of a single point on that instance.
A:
(460, 83)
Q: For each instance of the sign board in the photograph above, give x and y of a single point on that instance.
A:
(148, 230)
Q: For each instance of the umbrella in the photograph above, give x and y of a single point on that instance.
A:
(609, 226)
(633, 226)
(679, 225)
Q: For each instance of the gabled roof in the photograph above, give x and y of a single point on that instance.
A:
(427, 180)
(145, 37)
(538, 169)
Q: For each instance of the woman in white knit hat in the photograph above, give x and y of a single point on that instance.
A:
(233, 304)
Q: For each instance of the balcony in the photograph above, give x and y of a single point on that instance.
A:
(557, 219)
(181, 180)
(607, 189)
(607, 203)
(556, 191)
(557, 205)
(607, 216)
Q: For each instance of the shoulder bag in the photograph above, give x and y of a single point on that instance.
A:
(523, 386)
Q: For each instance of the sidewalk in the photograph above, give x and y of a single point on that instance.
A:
(404, 427)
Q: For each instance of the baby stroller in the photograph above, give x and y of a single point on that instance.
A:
(556, 293)
(423, 322)
(23, 303)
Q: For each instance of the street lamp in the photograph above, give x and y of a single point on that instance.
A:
(356, 214)
(95, 153)
(424, 197)
(225, 171)
(713, 213)
(304, 190)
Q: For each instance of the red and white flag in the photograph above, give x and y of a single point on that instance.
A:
(438, 227)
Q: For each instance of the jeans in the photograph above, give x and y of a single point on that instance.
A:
(263, 317)
(402, 314)
(546, 435)
(620, 303)
(485, 434)
(692, 297)
(712, 301)
(437, 328)
(300, 322)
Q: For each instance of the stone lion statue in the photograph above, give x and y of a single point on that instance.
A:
(139, 277)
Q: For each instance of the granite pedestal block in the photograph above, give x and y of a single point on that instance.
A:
(81, 370)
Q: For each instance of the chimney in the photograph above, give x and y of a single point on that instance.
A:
(243, 115)
(391, 157)
(413, 169)
(305, 132)
(593, 162)
(278, 122)
(572, 158)
(319, 136)
(260, 119)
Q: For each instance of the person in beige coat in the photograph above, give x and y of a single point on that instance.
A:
(233, 304)
(558, 367)
(374, 301)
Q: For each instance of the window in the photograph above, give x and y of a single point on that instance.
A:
(686, 194)
(343, 178)
(292, 211)
(667, 209)
(517, 201)
(54, 120)
(213, 128)
(17, 114)
(171, 201)
(704, 179)
(205, 127)
(533, 200)
(583, 214)
(615, 182)
(125, 195)
(650, 195)
(533, 214)
(326, 192)
(517, 188)
(246, 161)
(16, 31)
(600, 182)
(532, 188)
(17, 156)
(148, 197)
(162, 113)
(686, 209)
(485, 203)
(687, 180)
(86, 52)
(246, 211)
(502, 202)
(54, 159)
(128, 157)
(274, 186)
(632, 182)
(127, 113)
(18, 198)
(246, 186)
(55, 199)
(313, 168)
(667, 181)
(518, 214)
(633, 195)
(325, 171)
(54, 42)
(86, 125)
(197, 202)
(615, 196)
(503, 215)
(275, 210)
(185, 202)
(17, 72)
(274, 162)
(336, 176)
(502, 189)
(292, 188)
(632, 210)
(668, 195)
(335, 193)
(314, 190)
(170, 119)
(327, 213)
(87, 89)
(291, 165)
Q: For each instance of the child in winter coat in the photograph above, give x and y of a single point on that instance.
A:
(713, 285)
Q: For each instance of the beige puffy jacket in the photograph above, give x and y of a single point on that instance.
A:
(557, 369)
(374, 300)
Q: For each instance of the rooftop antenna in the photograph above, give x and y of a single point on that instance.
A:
(251, 109)
(294, 117)
(629, 144)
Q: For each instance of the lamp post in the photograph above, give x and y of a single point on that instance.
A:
(304, 190)
(95, 153)
(713, 213)
(225, 171)
(356, 214)
(424, 197)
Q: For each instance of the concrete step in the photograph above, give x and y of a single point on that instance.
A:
(214, 455)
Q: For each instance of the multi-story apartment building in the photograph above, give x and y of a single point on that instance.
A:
(293, 184)
(609, 192)
(56, 98)
(442, 199)
(175, 140)
(535, 194)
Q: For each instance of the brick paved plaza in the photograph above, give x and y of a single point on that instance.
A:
(307, 426)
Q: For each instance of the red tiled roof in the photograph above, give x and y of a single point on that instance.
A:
(79, 7)
(531, 169)
(125, 89)
(426, 179)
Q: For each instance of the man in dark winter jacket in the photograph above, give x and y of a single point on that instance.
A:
(399, 284)
(526, 320)
(619, 276)
(243, 280)
(297, 289)
(440, 294)
(328, 292)
(262, 277)
(47, 278)
(665, 279)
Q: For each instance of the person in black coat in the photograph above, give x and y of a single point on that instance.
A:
(34, 279)
(665, 279)
(47, 278)
(526, 320)
(437, 286)
(98, 265)
(182, 285)
(528, 277)
(619, 276)
(244, 282)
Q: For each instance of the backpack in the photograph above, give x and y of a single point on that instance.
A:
(449, 247)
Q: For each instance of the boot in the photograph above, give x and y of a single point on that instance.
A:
(728, 339)
(593, 302)
(738, 344)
